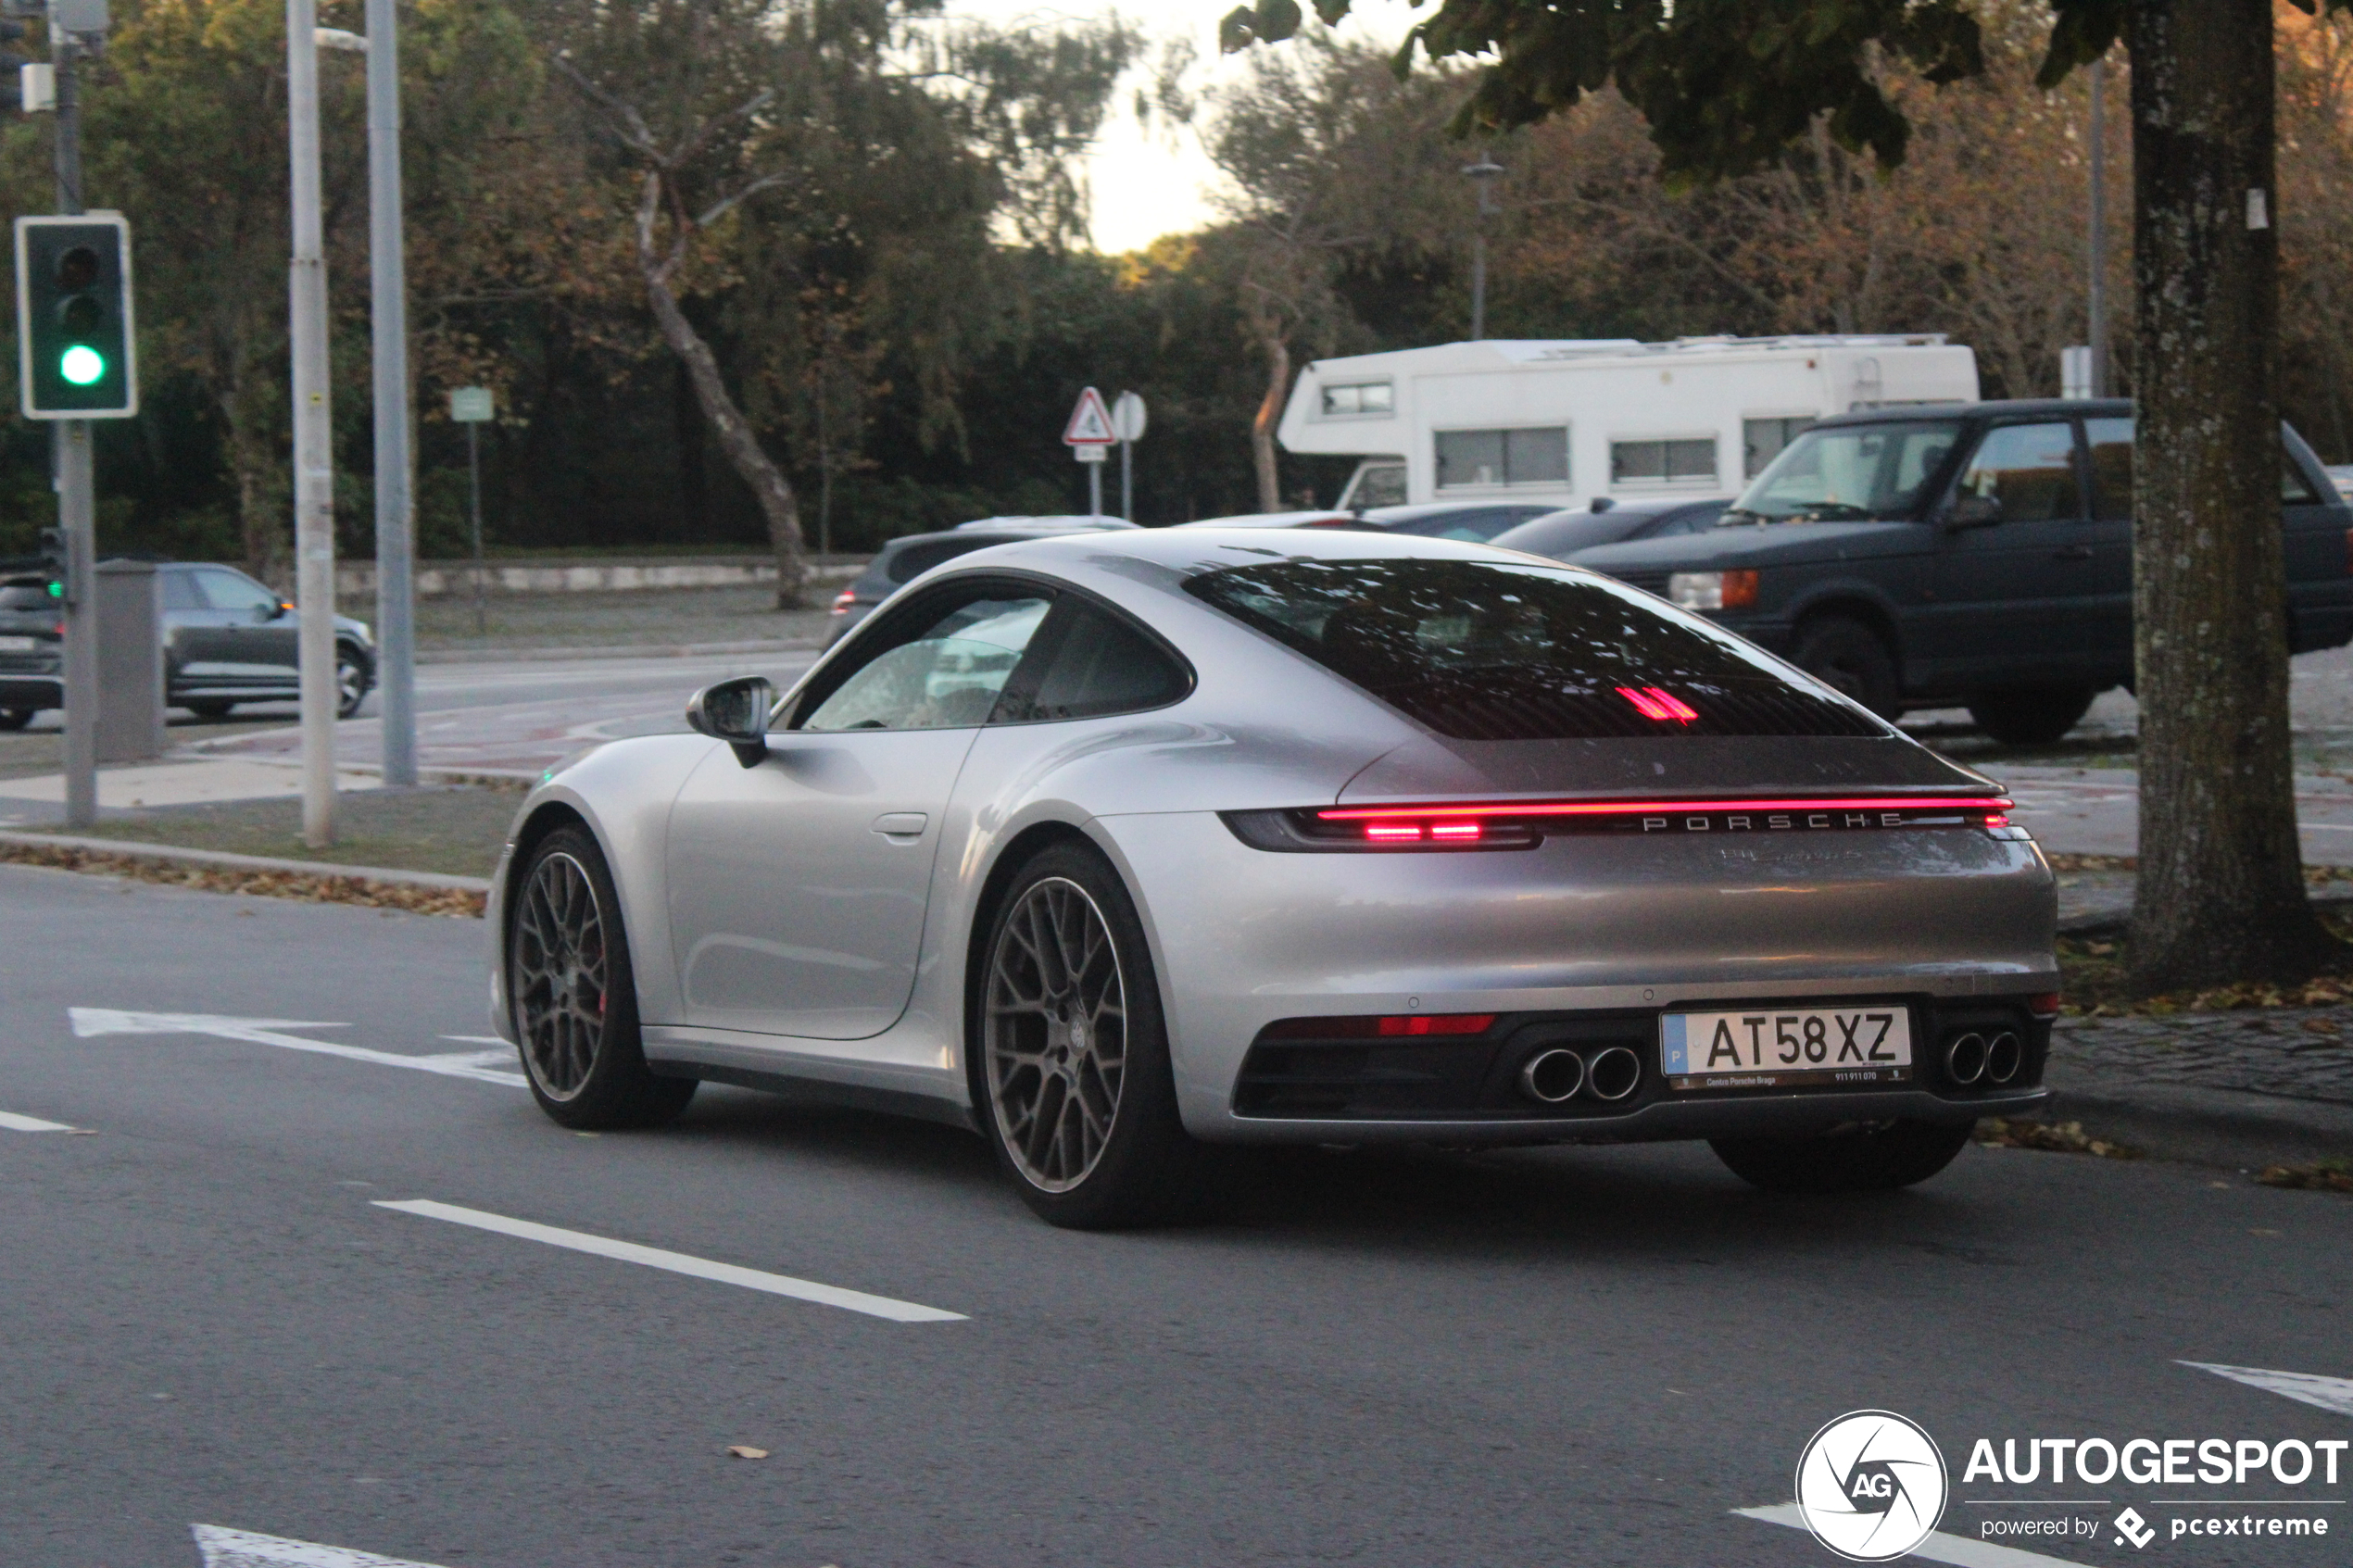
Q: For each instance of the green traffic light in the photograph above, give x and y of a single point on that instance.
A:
(82, 365)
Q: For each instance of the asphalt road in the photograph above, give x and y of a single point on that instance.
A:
(1571, 1357)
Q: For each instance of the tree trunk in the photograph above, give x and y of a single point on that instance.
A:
(769, 485)
(2221, 889)
(1270, 411)
(263, 524)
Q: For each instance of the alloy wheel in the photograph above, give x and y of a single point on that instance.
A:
(1055, 1034)
(351, 684)
(560, 975)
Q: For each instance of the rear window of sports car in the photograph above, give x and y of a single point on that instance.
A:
(1497, 651)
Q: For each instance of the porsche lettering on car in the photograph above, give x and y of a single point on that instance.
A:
(1123, 849)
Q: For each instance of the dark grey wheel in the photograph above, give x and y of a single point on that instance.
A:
(1853, 658)
(354, 676)
(210, 708)
(15, 718)
(2029, 715)
(575, 999)
(1868, 1158)
(1078, 1098)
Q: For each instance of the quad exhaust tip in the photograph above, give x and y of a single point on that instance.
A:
(1614, 1074)
(1966, 1058)
(2004, 1054)
(1553, 1076)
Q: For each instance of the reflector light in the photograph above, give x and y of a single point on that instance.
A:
(1454, 833)
(2045, 1005)
(1439, 1023)
(1393, 832)
(844, 599)
(1395, 815)
(1998, 819)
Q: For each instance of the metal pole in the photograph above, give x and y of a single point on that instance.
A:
(473, 486)
(313, 451)
(1128, 481)
(395, 504)
(77, 499)
(1483, 172)
(1095, 491)
(2096, 296)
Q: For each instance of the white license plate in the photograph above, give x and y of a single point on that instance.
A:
(1768, 1048)
(18, 645)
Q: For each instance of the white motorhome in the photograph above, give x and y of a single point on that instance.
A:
(1572, 419)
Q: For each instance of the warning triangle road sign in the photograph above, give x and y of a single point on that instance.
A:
(1090, 422)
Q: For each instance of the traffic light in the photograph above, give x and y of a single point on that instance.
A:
(75, 332)
(56, 565)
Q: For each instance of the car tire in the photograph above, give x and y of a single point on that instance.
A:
(1078, 1099)
(208, 709)
(1854, 659)
(2031, 715)
(573, 998)
(354, 677)
(1876, 1159)
(12, 719)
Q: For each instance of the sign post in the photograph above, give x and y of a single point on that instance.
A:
(1128, 423)
(471, 406)
(1089, 437)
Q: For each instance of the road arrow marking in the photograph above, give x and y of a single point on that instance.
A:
(678, 1262)
(237, 1549)
(1939, 1548)
(88, 1022)
(16, 1123)
(2329, 1392)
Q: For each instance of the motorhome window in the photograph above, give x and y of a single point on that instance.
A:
(1536, 456)
(1361, 398)
(1762, 440)
(1662, 462)
(1849, 472)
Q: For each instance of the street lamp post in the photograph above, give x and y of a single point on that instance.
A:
(313, 451)
(1484, 172)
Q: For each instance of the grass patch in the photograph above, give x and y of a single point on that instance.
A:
(456, 832)
(312, 889)
(2092, 980)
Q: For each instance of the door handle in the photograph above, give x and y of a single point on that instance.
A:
(901, 824)
(2073, 552)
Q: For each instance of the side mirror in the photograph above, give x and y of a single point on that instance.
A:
(1974, 511)
(735, 711)
(270, 611)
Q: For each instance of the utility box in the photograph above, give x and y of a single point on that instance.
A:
(130, 681)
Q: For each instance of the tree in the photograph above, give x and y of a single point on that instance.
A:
(1727, 85)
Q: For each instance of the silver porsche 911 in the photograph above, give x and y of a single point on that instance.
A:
(1116, 847)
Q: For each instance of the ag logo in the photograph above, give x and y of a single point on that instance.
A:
(1871, 1485)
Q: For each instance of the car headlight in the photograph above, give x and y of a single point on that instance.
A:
(1712, 590)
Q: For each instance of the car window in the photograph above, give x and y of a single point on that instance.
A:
(1097, 664)
(230, 590)
(1484, 650)
(2028, 468)
(179, 591)
(1694, 520)
(21, 595)
(945, 678)
(912, 561)
(2111, 442)
(1851, 472)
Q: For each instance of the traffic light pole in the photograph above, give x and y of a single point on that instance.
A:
(396, 508)
(313, 455)
(77, 501)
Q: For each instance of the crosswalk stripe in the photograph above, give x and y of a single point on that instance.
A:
(240, 1548)
(1958, 1550)
(678, 1262)
(90, 1022)
(2329, 1392)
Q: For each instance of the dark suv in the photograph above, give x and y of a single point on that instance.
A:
(1971, 554)
(226, 639)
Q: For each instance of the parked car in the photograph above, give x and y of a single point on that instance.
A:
(2341, 475)
(905, 558)
(1111, 848)
(1475, 522)
(227, 639)
(1562, 535)
(1978, 555)
(1310, 517)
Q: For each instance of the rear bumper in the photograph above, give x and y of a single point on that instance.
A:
(31, 691)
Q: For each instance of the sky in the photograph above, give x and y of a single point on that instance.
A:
(1147, 182)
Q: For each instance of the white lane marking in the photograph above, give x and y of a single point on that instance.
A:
(239, 1549)
(16, 1123)
(88, 1022)
(1939, 1547)
(2329, 1392)
(678, 1262)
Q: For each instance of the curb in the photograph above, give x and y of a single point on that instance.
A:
(222, 859)
(2232, 1128)
(553, 656)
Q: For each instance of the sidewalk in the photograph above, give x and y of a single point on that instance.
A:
(2251, 1087)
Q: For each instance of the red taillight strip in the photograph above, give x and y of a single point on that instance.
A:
(1633, 807)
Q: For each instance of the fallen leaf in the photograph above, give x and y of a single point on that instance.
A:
(743, 1450)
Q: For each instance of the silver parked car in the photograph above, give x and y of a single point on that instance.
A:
(1116, 847)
